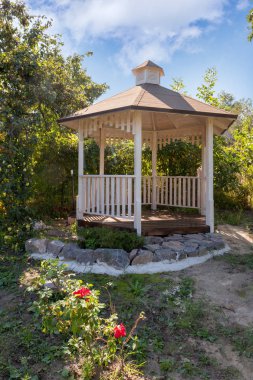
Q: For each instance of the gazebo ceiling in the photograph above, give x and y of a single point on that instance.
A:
(163, 109)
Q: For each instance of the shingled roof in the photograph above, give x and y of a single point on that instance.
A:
(150, 97)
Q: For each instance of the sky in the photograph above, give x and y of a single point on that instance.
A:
(185, 37)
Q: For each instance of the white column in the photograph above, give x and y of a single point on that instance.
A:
(209, 175)
(102, 153)
(80, 197)
(203, 176)
(137, 130)
(154, 170)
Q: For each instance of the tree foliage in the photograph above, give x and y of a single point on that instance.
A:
(37, 86)
(206, 91)
(250, 22)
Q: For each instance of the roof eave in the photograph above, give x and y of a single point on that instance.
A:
(151, 109)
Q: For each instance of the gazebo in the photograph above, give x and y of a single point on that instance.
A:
(154, 115)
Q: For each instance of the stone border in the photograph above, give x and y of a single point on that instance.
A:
(171, 253)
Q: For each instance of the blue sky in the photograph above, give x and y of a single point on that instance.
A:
(185, 37)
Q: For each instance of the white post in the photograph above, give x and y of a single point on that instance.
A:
(80, 197)
(203, 176)
(209, 175)
(154, 171)
(137, 130)
(102, 153)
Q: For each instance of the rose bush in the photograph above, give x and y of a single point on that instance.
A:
(67, 306)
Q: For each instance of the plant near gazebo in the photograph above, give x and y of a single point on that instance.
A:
(68, 307)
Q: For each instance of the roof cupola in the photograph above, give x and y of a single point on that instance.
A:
(148, 72)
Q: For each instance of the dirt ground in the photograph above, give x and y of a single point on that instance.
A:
(231, 289)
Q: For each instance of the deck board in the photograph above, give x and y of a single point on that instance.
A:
(153, 223)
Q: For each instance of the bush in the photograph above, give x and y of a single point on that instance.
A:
(72, 309)
(101, 237)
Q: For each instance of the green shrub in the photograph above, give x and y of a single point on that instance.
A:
(101, 237)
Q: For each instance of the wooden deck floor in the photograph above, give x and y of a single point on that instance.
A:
(154, 223)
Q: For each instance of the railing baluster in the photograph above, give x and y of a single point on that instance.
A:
(118, 196)
(184, 191)
(112, 196)
(107, 185)
(188, 192)
(194, 193)
(179, 192)
(170, 179)
(175, 191)
(123, 184)
(129, 195)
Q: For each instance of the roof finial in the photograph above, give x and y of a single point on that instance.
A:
(148, 72)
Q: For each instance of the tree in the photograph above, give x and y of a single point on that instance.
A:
(250, 21)
(37, 86)
(178, 85)
(206, 91)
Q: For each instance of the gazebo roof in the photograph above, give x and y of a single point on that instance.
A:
(149, 95)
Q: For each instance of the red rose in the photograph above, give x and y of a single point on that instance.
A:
(82, 292)
(119, 331)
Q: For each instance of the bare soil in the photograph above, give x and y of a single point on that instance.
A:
(231, 289)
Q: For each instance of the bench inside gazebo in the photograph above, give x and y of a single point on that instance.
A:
(153, 115)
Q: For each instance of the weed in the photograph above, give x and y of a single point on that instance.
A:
(167, 365)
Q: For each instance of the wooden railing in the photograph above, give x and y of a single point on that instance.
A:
(177, 191)
(113, 195)
(109, 195)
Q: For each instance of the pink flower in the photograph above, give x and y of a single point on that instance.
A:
(119, 331)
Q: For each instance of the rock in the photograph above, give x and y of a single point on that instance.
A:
(164, 254)
(70, 251)
(143, 257)
(173, 245)
(38, 226)
(195, 236)
(55, 247)
(152, 247)
(35, 245)
(207, 243)
(117, 258)
(85, 256)
(153, 240)
(219, 244)
(181, 255)
(133, 253)
(202, 251)
(173, 237)
(191, 250)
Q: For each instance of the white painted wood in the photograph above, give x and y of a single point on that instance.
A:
(112, 196)
(137, 129)
(129, 196)
(79, 214)
(107, 187)
(154, 169)
(203, 180)
(209, 175)
(102, 152)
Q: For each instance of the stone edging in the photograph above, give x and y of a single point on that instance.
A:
(159, 254)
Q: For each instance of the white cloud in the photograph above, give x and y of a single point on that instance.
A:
(242, 4)
(146, 29)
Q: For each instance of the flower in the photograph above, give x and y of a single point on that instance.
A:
(82, 292)
(119, 331)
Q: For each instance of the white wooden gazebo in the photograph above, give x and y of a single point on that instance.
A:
(154, 115)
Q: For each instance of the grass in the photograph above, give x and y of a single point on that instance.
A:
(237, 261)
(176, 323)
(234, 217)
